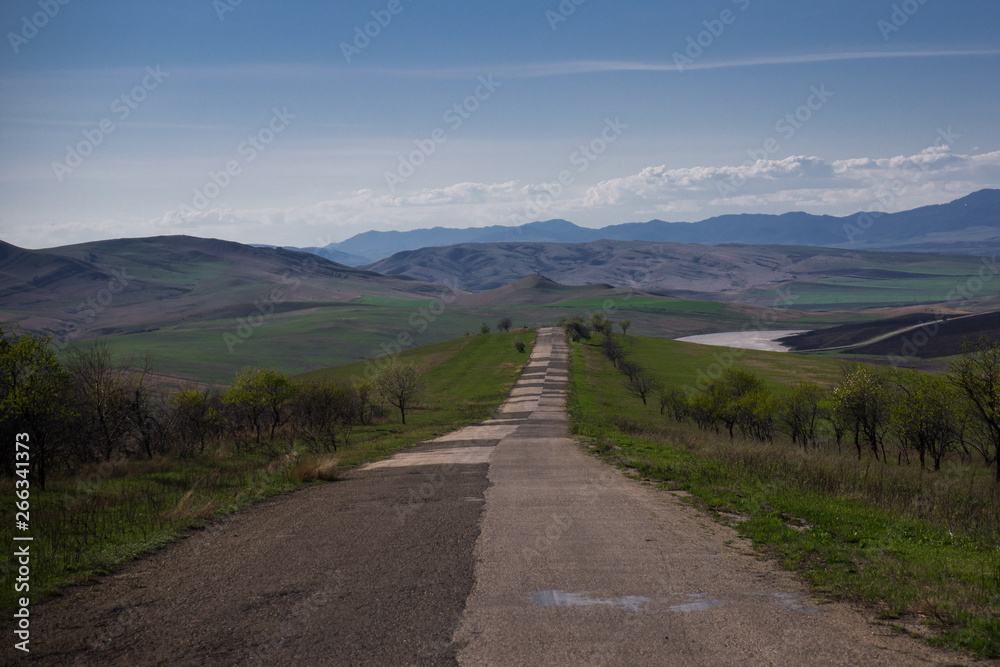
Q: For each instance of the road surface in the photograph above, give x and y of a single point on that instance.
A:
(500, 544)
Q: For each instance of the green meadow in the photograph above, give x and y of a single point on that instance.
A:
(304, 336)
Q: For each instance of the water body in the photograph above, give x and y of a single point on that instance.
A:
(747, 340)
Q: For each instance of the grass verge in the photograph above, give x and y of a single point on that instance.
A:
(94, 521)
(919, 547)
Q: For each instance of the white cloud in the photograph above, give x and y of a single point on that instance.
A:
(810, 183)
(838, 186)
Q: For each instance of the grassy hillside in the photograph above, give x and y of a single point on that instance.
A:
(92, 520)
(129, 285)
(917, 547)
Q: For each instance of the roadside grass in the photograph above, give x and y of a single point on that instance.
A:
(94, 521)
(918, 547)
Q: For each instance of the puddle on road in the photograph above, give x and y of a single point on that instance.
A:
(556, 598)
(699, 602)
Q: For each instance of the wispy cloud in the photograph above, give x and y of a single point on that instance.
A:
(575, 67)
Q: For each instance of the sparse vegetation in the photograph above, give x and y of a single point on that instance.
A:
(910, 541)
(576, 329)
(105, 504)
(977, 374)
(398, 384)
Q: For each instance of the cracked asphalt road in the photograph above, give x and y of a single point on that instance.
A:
(500, 544)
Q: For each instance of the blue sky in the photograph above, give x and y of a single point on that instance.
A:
(276, 123)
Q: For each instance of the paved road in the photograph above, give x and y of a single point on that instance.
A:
(499, 544)
(579, 565)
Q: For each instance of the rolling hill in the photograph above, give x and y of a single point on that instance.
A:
(122, 285)
(537, 290)
(803, 277)
(970, 225)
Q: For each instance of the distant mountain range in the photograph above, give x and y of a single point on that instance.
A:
(750, 274)
(970, 225)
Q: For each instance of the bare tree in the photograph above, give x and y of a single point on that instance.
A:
(613, 350)
(624, 324)
(505, 324)
(637, 382)
(399, 384)
(799, 413)
(112, 398)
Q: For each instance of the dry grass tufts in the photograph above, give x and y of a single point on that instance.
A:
(317, 468)
(190, 508)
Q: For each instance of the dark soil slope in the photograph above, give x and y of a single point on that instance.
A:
(941, 339)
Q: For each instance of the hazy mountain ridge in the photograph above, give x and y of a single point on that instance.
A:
(750, 274)
(968, 225)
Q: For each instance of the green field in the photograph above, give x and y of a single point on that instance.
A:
(909, 279)
(919, 548)
(303, 336)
